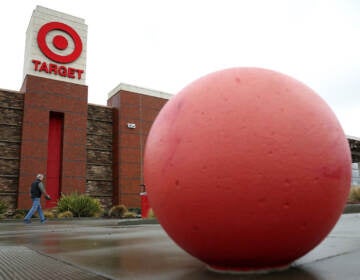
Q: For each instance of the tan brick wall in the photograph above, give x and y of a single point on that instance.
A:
(11, 114)
(99, 177)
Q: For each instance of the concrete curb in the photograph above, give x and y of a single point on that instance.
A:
(132, 222)
(120, 222)
(351, 208)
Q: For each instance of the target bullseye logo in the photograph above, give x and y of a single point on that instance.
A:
(62, 44)
(59, 42)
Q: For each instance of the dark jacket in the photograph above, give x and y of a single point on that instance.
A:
(35, 190)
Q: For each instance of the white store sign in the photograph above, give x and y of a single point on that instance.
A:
(56, 46)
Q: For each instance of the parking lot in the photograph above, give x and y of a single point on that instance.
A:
(109, 249)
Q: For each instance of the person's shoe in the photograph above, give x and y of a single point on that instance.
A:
(43, 221)
(27, 221)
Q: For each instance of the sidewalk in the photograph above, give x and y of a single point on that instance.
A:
(105, 249)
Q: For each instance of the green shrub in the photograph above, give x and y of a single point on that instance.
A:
(129, 215)
(354, 195)
(19, 213)
(66, 214)
(151, 214)
(3, 207)
(135, 210)
(118, 211)
(18, 216)
(49, 214)
(80, 205)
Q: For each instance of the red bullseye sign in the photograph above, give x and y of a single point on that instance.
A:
(59, 42)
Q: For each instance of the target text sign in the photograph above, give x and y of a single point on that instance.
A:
(56, 46)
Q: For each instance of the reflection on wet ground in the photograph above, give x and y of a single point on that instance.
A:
(146, 252)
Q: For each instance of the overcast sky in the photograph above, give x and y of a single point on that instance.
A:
(164, 45)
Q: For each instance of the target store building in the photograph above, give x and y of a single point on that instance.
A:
(49, 127)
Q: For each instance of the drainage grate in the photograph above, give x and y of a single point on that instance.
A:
(19, 262)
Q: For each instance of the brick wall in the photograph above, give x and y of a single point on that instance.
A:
(43, 96)
(11, 113)
(140, 110)
(102, 155)
(99, 182)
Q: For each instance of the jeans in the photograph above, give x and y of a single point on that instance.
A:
(36, 206)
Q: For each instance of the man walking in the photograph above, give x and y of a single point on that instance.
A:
(36, 190)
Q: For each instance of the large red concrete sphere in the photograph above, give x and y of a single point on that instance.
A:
(247, 169)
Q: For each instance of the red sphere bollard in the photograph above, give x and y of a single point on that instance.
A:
(247, 169)
(145, 206)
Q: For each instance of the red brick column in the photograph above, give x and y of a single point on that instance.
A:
(129, 143)
(41, 97)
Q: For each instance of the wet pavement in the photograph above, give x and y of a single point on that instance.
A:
(107, 249)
